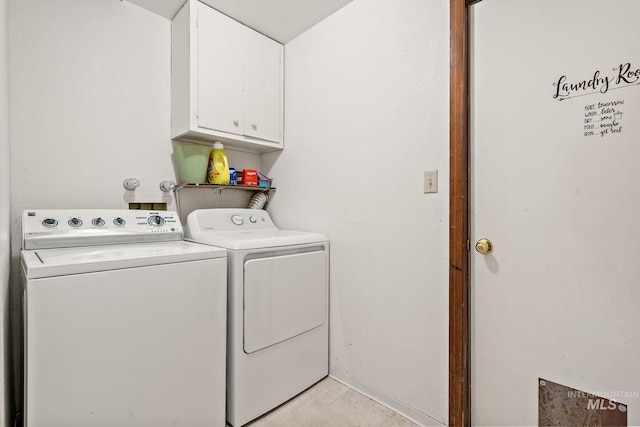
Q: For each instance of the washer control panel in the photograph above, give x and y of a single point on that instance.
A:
(58, 228)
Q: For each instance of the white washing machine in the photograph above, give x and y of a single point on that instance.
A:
(125, 323)
(278, 307)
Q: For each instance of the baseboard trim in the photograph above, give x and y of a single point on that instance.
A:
(384, 399)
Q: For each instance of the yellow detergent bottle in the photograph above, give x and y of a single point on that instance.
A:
(218, 171)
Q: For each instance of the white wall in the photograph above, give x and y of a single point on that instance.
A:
(90, 88)
(5, 224)
(366, 100)
(89, 103)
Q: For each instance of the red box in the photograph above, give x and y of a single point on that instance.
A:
(250, 177)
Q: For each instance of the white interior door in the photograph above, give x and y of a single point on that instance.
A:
(555, 152)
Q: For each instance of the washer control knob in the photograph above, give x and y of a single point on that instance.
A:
(119, 222)
(49, 222)
(97, 222)
(75, 222)
(237, 219)
(156, 221)
(253, 219)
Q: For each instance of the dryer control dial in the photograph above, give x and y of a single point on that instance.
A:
(237, 219)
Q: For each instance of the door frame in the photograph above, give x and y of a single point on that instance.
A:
(459, 244)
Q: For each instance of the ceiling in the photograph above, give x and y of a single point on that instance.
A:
(282, 20)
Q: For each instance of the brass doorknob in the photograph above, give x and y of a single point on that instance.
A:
(484, 246)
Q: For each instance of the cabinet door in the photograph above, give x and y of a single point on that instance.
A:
(220, 80)
(262, 86)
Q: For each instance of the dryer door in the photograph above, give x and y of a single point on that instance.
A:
(284, 296)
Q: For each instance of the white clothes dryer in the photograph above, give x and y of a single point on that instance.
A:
(124, 322)
(278, 339)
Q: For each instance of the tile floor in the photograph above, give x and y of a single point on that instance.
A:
(330, 403)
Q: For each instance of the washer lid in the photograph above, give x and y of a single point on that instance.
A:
(64, 261)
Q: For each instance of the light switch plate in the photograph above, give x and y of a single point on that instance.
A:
(430, 181)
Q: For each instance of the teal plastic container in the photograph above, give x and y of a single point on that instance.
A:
(192, 161)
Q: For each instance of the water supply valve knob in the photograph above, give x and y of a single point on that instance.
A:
(167, 186)
(131, 183)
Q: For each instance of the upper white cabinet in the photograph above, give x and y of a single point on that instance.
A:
(226, 81)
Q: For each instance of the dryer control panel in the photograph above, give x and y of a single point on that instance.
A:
(229, 220)
(62, 228)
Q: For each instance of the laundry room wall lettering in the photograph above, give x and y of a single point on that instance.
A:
(621, 76)
(601, 118)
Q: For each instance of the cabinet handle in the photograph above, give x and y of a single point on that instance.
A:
(254, 126)
(236, 123)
